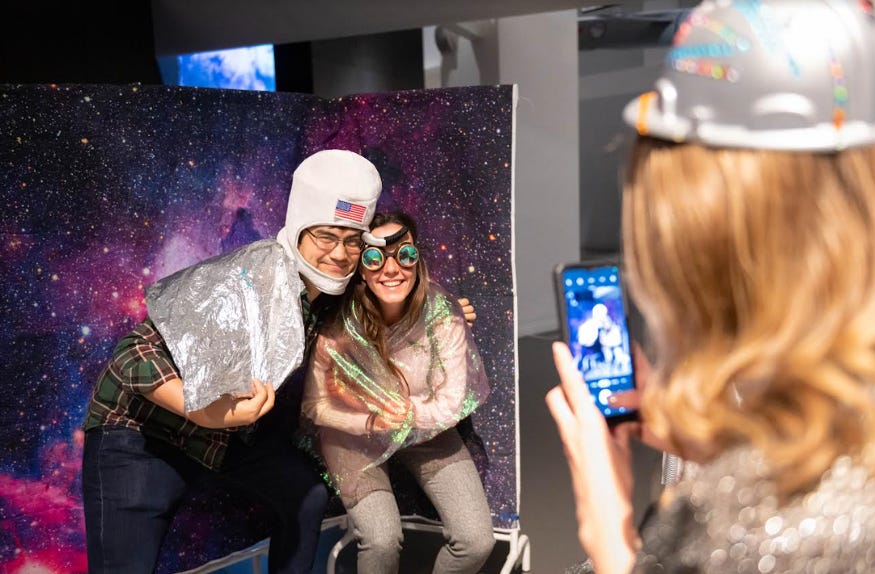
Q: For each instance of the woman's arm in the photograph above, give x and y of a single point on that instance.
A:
(601, 473)
(327, 401)
(444, 402)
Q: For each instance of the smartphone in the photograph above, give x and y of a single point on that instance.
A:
(594, 322)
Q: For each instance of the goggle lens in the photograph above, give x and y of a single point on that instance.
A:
(373, 258)
(407, 255)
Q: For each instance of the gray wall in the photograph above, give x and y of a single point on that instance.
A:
(539, 54)
(609, 79)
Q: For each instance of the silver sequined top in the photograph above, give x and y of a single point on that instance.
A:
(726, 519)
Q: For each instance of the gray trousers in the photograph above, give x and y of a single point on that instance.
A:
(457, 494)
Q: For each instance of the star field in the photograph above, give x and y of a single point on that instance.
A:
(106, 189)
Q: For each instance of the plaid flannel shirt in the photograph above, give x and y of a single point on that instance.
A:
(141, 363)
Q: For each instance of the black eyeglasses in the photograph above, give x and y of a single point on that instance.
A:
(373, 258)
(327, 242)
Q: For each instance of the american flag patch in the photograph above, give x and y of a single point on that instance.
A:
(350, 211)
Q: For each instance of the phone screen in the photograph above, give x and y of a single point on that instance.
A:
(596, 329)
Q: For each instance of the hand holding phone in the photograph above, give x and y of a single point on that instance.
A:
(594, 323)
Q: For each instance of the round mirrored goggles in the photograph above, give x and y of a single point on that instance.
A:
(373, 258)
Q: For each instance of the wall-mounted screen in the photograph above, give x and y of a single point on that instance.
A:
(248, 68)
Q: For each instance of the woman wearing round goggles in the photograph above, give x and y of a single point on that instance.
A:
(390, 377)
(390, 272)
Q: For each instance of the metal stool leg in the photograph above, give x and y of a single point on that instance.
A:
(338, 547)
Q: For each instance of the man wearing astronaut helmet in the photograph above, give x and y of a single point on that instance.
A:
(333, 199)
(189, 394)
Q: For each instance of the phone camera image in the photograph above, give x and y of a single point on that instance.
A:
(597, 332)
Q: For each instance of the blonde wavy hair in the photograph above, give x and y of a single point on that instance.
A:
(755, 271)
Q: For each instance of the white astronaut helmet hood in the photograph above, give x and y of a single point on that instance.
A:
(335, 188)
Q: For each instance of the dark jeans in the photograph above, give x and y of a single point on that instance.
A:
(132, 486)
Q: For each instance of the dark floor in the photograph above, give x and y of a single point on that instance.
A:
(546, 505)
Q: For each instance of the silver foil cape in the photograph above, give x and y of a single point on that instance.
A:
(231, 319)
(348, 384)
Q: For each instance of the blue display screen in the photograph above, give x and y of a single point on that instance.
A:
(598, 335)
(247, 68)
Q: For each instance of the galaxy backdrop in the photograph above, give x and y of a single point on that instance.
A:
(106, 189)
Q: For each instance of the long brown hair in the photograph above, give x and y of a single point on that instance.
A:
(367, 304)
(755, 271)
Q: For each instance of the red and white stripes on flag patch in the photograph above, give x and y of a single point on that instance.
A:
(351, 211)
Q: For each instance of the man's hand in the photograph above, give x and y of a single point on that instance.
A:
(468, 310)
(237, 410)
(227, 411)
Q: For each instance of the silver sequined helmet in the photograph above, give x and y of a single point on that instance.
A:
(767, 74)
